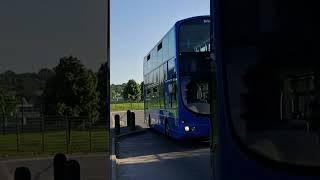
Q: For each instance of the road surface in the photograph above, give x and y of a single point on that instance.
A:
(153, 156)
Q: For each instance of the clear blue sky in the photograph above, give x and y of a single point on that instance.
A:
(137, 25)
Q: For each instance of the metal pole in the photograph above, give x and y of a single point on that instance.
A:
(3, 124)
(90, 136)
(67, 133)
(42, 133)
(17, 133)
(22, 109)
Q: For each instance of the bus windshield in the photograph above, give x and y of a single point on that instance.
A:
(273, 81)
(195, 70)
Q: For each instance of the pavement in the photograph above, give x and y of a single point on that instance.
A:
(152, 156)
(93, 167)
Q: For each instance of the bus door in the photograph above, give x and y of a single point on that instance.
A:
(170, 94)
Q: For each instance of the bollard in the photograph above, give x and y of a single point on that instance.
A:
(22, 173)
(133, 121)
(72, 170)
(117, 124)
(117, 148)
(128, 118)
(58, 166)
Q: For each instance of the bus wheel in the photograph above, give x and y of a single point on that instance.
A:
(149, 121)
(166, 128)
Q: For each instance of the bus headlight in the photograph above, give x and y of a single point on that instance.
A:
(186, 128)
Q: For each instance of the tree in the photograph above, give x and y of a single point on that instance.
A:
(117, 91)
(89, 95)
(102, 88)
(8, 105)
(27, 85)
(132, 91)
(72, 90)
(8, 80)
(45, 74)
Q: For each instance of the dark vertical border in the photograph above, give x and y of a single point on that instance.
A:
(107, 26)
(213, 103)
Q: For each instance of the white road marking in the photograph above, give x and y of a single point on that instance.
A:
(163, 156)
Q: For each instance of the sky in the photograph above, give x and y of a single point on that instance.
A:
(136, 27)
(36, 33)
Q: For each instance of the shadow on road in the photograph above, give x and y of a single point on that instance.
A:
(153, 156)
(152, 143)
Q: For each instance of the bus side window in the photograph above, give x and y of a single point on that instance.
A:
(171, 68)
(174, 103)
(165, 71)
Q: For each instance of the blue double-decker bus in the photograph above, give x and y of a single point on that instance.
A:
(268, 90)
(177, 75)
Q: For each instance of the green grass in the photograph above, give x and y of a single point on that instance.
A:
(53, 142)
(126, 106)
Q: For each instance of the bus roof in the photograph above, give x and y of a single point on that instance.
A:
(175, 26)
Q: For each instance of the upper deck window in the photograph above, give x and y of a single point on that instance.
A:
(160, 46)
(194, 36)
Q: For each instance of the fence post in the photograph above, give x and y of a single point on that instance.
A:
(43, 129)
(67, 133)
(22, 116)
(3, 125)
(17, 132)
(90, 136)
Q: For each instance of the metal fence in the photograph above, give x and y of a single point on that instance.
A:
(52, 134)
